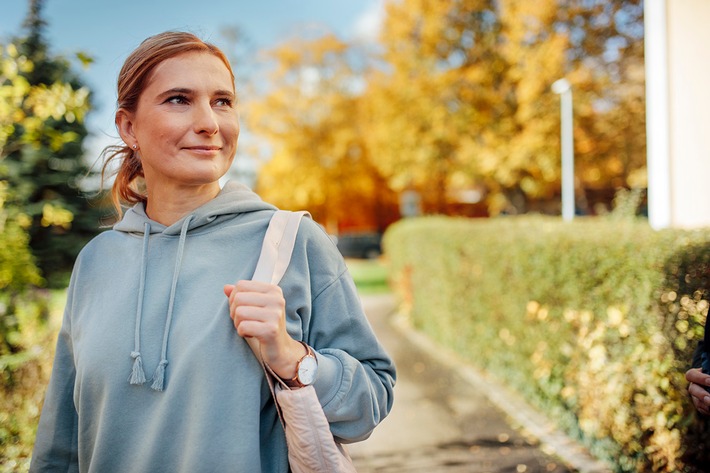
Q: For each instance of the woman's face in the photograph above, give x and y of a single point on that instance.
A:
(186, 123)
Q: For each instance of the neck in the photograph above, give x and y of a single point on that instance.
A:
(168, 205)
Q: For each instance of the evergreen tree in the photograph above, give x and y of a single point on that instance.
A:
(24, 110)
(45, 170)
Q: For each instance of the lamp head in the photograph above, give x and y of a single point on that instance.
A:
(560, 86)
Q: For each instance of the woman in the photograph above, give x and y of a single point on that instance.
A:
(152, 373)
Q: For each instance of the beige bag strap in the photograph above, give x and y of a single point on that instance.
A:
(276, 251)
(308, 425)
(278, 246)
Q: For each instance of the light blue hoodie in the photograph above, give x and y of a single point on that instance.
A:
(145, 298)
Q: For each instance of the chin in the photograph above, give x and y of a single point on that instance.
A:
(209, 173)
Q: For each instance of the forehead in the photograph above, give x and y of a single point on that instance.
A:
(190, 70)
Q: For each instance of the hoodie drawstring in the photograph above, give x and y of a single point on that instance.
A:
(138, 376)
(137, 373)
(159, 375)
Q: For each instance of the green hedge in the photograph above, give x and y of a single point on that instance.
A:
(25, 338)
(593, 321)
(23, 379)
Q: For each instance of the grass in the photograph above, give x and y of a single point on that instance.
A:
(370, 276)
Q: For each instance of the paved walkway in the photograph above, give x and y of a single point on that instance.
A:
(445, 420)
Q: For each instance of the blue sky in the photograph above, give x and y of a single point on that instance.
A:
(110, 30)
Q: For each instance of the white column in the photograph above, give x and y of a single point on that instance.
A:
(564, 89)
(657, 114)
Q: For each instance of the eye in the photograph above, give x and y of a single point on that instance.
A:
(223, 102)
(177, 100)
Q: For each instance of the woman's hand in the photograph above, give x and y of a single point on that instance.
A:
(259, 310)
(698, 394)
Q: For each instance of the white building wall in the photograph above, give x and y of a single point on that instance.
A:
(689, 82)
(678, 112)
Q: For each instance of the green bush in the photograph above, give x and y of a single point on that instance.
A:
(23, 378)
(593, 321)
(25, 338)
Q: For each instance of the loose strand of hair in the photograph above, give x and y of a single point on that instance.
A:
(124, 189)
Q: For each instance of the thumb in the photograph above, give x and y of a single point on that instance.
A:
(228, 288)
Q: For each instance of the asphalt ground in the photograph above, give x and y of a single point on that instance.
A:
(447, 417)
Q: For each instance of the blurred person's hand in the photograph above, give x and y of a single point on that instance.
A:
(697, 381)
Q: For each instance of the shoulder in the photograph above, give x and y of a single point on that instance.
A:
(105, 246)
(314, 230)
(317, 239)
(318, 250)
(104, 239)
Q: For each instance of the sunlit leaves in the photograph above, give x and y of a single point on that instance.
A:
(27, 108)
(313, 122)
(457, 98)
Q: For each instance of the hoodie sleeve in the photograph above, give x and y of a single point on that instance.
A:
(56, 446)
(356, 376)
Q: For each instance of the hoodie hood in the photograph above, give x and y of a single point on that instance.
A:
(233, 199)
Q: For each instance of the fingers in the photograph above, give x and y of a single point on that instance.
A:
(257, 309)
(695, 375)
(698, 392)
(700, 397)
(261, 322)
(258, 299)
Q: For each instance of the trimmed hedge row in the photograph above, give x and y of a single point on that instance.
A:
(593, 321)
(24, 375)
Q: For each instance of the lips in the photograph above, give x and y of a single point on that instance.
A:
(203, 148)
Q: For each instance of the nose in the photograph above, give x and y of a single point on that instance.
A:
(204, 120)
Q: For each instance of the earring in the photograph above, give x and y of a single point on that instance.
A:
(135, 146)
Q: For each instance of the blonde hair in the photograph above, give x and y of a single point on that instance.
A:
(128, 187)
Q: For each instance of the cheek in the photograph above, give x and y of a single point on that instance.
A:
(232, 131)
(157, 132)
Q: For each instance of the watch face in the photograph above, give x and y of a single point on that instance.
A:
(307, 370)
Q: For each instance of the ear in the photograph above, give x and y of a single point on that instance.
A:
(124, 124)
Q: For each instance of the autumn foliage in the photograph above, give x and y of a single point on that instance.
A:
(453, 101)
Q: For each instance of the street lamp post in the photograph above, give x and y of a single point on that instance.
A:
(564, 90)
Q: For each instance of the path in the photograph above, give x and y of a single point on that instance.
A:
(440, 422)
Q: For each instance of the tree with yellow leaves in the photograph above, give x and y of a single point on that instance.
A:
(312, 121)
(466, 100)
(423, 110)
(458, 98)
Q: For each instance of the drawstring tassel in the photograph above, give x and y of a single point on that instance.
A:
(159, 376)
(137, 374)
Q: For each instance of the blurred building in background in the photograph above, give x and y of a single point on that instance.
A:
(678, 112)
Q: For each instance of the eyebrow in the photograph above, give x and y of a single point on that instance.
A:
(186, 91)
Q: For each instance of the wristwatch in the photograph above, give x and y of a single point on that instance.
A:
(306, 370)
